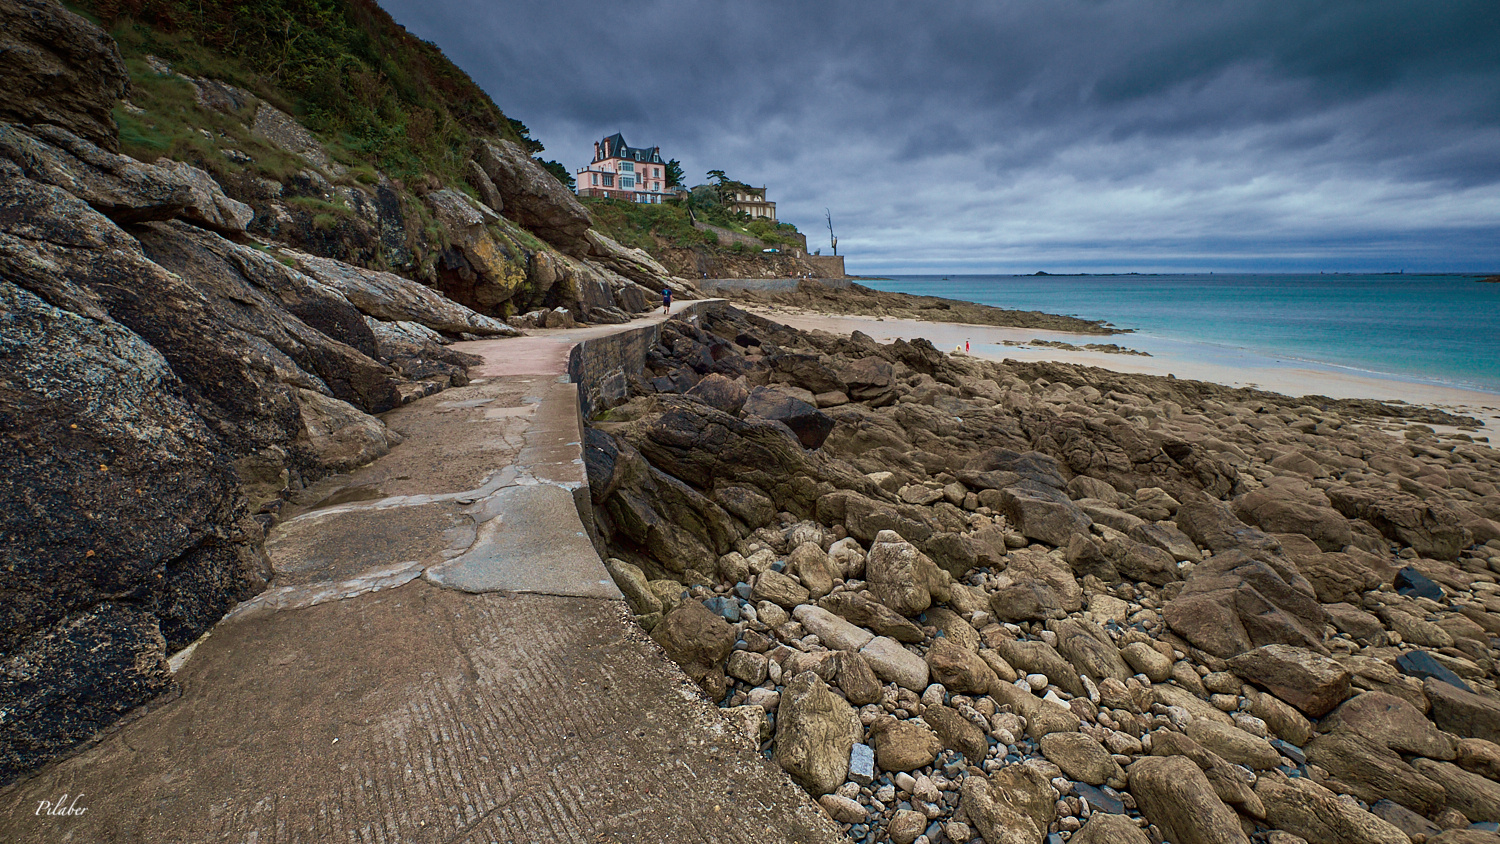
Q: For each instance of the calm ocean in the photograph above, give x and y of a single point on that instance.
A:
(1436, 329)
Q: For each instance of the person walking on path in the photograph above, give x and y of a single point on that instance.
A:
(666, 300)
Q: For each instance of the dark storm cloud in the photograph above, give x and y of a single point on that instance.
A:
(1124, 134)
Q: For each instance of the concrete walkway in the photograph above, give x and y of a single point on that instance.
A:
(442, 658)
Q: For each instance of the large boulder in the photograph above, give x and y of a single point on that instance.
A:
(1234, 744)
(1036, 657)
(870, 379)
(1394, 723)
(957, 732)
(1304, 808)
(1042, 716)
(834, 632)
(495, 273)
(1227, 780)
(1371, 771)
(900, 576)
(113, 487)
(1463, 713)
(1212, 525)
(534, 198)
(75, 678)
(699, 642)
(59, 69)
(1431, 527)
(815, 730)
(208, 206)
(1275, 512)
(387, 296)
(810, 425)
(1043, 513)
(1082, 758)
(904, 745)
(1336, 577)
(1309, 681)
(721, 393)
(234, 320)
(1174, 794)
(1142, 562)
(637, 265)
(805, 371)
(704, 447)
(857, 608)
(1028, 600)
(895, 664)
(117, 186)
(1031, 465)
(959, 669)
(1089, 649)
(1234, 602)
(1014, 806)
(1476, 796)
(1104, 828)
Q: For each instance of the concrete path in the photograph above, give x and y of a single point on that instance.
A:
(442, 658)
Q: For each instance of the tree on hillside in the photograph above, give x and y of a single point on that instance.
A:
(560, 172)
(674, 173)
(726, 187)
(833, 241)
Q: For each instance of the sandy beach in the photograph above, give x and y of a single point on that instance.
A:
(1230, 367)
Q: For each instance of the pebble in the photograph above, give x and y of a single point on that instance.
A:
(925, 789)
(861, 764)
(767, 699)
(933, 695)
(842, 809)
(1290, 751)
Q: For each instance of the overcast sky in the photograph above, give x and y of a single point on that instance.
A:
(1017, 135)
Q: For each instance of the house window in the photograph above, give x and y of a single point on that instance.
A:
(596, 178)
(627, 181)
(609, 180)
(627, 167)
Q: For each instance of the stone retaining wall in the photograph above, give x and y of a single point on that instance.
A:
(828, 266)
(602, 367)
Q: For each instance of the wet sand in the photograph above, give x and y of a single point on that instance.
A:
(1199, 362)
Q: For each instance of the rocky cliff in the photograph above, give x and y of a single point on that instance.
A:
(185, 342)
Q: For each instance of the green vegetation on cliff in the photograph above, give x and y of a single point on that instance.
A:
(646, 226)
(669, 225)
(375, 94)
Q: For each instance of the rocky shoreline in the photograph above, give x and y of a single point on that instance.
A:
(1107, 348)
(858, 300)
(958, 599)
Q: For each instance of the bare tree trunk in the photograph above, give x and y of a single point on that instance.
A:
(833, 241)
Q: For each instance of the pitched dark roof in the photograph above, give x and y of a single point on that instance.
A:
(619, 149)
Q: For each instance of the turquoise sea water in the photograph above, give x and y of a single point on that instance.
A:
(1437, 329)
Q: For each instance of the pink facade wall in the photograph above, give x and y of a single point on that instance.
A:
(650, 178)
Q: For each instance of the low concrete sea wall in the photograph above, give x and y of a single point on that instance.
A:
(774, 285)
